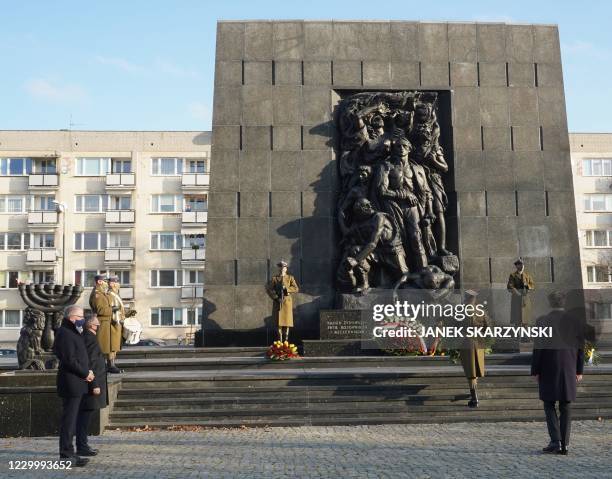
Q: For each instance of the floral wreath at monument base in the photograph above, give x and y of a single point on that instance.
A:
(280, 351)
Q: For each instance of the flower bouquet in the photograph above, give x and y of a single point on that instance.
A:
(591, 356)
(279, 351)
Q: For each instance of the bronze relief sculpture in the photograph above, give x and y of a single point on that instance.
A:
(392, 205)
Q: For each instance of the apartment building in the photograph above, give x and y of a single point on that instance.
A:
(74, 204)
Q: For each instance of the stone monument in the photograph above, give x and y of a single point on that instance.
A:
(42, 318)
(477, 109)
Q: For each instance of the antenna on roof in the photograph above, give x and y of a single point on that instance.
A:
(71, 124)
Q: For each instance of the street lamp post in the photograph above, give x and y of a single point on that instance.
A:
(61, 208)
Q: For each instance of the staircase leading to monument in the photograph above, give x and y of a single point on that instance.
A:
(325, 391)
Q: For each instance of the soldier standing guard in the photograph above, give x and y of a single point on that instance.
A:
(519, 284)
(101, 304)
(280, 288)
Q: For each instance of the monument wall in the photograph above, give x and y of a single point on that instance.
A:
(274, 173)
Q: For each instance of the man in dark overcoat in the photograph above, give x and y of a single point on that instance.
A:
(97, 397)
(73, 375)
(557, 365)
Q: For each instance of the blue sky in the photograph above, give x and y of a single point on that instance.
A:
(149, 65)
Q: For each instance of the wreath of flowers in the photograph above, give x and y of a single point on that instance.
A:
(280, 351)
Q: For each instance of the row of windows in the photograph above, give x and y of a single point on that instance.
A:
(599, 274)
(597, 167)
(598, 238)
(159, 278)
(100, 240)
(13, 318)
(161, 203)
(100, 166)
(597, 202)
(99, 203)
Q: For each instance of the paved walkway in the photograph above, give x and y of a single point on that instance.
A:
(503, 450)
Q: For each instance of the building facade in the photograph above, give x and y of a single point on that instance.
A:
(592, 168)
(74, 204)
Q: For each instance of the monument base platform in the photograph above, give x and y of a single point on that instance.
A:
(165, 387)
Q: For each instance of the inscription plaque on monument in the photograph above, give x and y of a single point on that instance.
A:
(338, 324)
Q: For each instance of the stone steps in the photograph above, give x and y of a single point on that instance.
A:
(184, 363)
(144, 352)
(228, 398)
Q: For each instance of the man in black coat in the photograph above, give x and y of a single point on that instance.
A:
(97, 397)
(73, 374)
(557, 365)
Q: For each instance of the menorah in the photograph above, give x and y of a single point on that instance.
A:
(48, 300)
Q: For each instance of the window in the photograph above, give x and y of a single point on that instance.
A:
(123, 275)
(121, 165)
(164, 240)
(196, 166)
(598, 238)
(598, 274)
(89, 241)
(10, 279)
(43, 203)
(166, 166)
(193, 276)
(11, 318)
(86, 277)
(166, 278)
(43, 240)
(196, 203)
(92, 166)
(194, 316)
(199, 240)
(597, 167)
(12, 204)
(175, 316)
(45, 166)
(166, 203)
(43, 277)
(119, 202)
(91, 203)
(119, 240)
(14, 241)
(15, 166)
(597, 202)
(600, 310)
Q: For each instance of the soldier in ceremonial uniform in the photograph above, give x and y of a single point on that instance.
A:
(280, 288)
(472, 354)
(520, 283)
(102, 305)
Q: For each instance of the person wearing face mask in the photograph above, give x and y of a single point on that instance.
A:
(97, 397)
(101, 304)
(73, 376)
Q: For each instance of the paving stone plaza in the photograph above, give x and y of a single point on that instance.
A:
(485, 450)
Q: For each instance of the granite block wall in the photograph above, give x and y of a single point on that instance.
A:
(273, 184)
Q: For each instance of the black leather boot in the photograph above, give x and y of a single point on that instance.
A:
(473, 402)
(111, 368)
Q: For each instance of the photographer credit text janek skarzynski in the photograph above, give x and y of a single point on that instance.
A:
(402, 312)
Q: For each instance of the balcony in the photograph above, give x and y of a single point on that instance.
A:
(120, 218)
(120, 181)
(194, 218)
(42, 257)
(42, 218)
(43, 181)
(194, 181)
(127, 293)
(193, 256)
(119, 257)
(191, 292)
